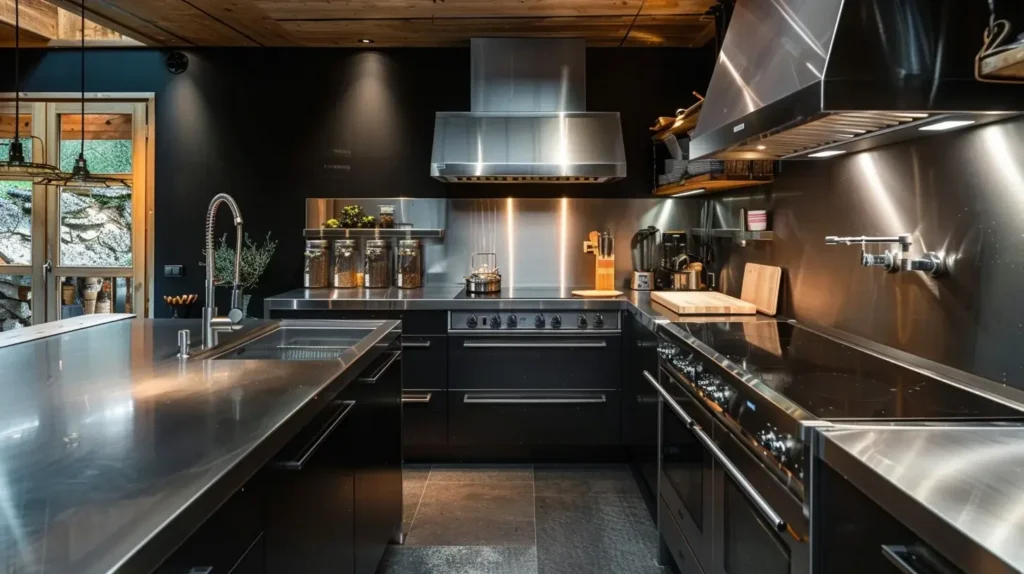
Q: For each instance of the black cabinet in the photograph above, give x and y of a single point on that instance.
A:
(640, 408)
(541, 418)
(424, 396)
(311, 507)
(230, 541)
(533, 362)
(377, 456)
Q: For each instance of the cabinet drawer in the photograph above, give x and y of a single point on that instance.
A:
(534, 363)
(564, 418)
(672, 537)
(424, 418)
(424, 362)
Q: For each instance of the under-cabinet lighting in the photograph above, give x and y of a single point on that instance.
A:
(762, 147)
(827, 153)
(694, 192)
(366, 40)
(947, 125)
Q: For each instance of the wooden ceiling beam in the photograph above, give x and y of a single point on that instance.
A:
(37, 17)
(247, 19)
(122, 22)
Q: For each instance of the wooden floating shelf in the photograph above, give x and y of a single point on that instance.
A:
(678, 129)
(360, 233)
(713, 183)
(737, 234)
(1007, 65)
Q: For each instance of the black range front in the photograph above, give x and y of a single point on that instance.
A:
(534, 381)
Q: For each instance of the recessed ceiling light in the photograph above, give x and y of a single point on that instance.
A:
(947, 125)
(366, 40)
(694, 192)
(762, 147)
(827, 153)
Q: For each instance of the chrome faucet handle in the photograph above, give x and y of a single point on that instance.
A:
(184, 343)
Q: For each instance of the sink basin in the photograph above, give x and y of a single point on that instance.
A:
(312, 340)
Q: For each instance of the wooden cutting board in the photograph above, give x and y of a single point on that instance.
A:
(761, 287)
(596, 293)
(702, 303)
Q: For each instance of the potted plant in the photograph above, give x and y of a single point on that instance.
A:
(254, 261)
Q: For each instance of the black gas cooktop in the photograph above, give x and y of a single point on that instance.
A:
(768, 382)
(832, 381)
(521, 293)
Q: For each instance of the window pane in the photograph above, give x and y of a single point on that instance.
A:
(96, 229)
(15, 222)
(15, 301)
(108, 142)
(94, 295)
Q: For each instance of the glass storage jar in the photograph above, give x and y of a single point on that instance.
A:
(387, 216)
(315, 270)
(409, 270)
(376, 264)
(347, 272)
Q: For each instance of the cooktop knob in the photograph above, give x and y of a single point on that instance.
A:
(556, 322)
(471, 321)
(598, 321)
(538, 321)
(511, 321)
(495, 321)
(581, 321)
(780, 445)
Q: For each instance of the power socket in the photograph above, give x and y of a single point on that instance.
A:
(174, 270)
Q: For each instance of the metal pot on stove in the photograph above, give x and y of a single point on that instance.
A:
(484, 277)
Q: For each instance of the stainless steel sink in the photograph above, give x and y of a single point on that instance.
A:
(303, 340)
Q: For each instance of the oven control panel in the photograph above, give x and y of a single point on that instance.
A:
(526, 321)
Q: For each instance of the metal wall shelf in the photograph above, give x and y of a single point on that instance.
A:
(341, 233)
(737, 234)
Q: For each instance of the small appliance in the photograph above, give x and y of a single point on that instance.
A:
(643, 248)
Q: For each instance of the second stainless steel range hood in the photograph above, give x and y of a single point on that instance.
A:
(814, 78)
(528, 120)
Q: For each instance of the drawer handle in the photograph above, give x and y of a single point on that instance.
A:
(534, 345)
(533, 399)
(380, 370)
(415, 344)
(760, 503)
(345, 407)
(417, 398)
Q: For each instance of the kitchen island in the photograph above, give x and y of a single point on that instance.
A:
(113, 451)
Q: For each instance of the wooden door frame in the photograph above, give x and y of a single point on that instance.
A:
(143, 183)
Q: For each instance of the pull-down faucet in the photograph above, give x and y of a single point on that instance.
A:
(212, 324)
(893, 261)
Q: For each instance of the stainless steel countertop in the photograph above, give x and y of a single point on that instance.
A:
(112, 451)
(960, 488)
(445, 298)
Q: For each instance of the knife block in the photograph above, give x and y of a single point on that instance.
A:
(604, 273)
(604, 265)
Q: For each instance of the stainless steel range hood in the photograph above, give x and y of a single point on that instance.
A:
(528, 120)
(813, 78)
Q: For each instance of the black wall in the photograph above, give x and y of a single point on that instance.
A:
(262, 124)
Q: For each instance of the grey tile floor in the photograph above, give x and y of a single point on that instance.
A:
(523, 519)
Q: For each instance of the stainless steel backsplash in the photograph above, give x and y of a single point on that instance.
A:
(962, 194)
(538, 242)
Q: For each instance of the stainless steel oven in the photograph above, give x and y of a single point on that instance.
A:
(731, 512)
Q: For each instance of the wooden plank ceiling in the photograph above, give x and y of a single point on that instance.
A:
(398, 23)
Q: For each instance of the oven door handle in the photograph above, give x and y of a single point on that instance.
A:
(762, 505)
(894, 554)
(512, 399)
(534, 345)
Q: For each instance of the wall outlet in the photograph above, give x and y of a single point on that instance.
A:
(174, 270)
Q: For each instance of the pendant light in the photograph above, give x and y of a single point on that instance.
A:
(80, 178)
(16, 168)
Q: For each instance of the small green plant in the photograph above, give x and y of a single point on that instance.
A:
(254, 261)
